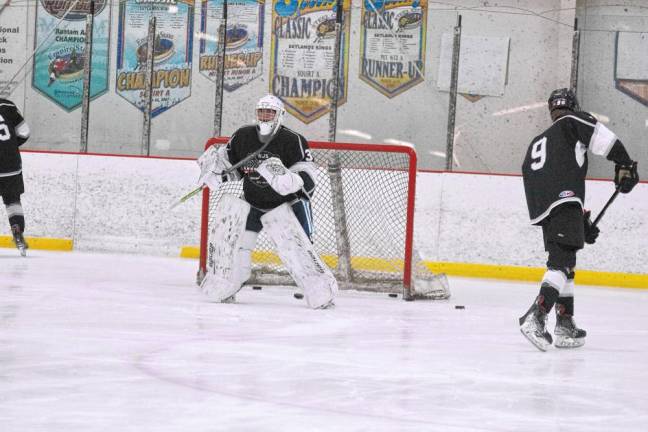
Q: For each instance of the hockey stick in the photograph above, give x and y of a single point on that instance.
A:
(605, 207)
(196, 191)
(186, 197)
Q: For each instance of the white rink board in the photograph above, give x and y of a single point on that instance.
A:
(121, 204)
(484, 219)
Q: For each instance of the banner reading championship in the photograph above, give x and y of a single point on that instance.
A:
(392, 44)
(172, 49)
(244, 37)
(58, 63)
(302, 52)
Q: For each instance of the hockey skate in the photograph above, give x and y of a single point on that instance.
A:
(19, 240)
(230, 299)
(328, 305)
(533, 327)
(568, 335)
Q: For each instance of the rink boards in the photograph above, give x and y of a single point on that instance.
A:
(469, 224)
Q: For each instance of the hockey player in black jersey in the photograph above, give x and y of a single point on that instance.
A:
(554, 171)
(278, 174)
(14, 131)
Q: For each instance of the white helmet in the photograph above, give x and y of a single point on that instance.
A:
(269, 115)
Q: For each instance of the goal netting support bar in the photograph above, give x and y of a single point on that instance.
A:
(363, 213)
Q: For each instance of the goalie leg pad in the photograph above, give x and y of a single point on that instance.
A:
(229, 249)
(297, 253)
(432, 287)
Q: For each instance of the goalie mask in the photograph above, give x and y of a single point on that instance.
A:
(269, 116)
(564, 99)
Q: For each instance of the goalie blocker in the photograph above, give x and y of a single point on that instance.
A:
(230, 247)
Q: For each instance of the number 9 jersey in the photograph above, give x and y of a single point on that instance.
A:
(555, 165)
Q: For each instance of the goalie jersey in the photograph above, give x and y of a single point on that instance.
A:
(555, 164)
(287, 145)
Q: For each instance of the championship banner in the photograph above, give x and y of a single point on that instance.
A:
(172, 51)
(244, 40)
(392, 44)
(58, 64)
(301, 56)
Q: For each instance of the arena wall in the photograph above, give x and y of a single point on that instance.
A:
(463, 221)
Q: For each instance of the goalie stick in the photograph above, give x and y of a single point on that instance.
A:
(225, 172)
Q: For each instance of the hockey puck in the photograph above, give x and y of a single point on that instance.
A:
(460, 307)
(394, 295)
(256, 287)
(298, 296)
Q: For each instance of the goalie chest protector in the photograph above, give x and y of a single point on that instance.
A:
(287, 145)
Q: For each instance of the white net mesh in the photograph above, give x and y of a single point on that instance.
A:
(360, 211)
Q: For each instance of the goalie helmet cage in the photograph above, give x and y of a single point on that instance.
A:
(363, 214)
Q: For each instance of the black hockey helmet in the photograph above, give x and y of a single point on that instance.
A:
(563, 98)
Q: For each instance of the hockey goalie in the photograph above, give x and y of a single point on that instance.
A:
(278, 174)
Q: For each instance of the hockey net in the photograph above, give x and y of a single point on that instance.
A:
(363, 213)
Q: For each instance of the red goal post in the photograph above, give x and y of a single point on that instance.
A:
(363, 212)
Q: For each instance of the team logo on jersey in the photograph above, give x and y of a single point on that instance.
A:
(249, 169)
(566, 194)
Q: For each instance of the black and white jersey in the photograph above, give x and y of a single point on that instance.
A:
(13, 133)
(555, 164)
(289, 146)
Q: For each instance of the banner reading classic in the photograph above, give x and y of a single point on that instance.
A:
(302, 52)
(392, 38)
(172, 49)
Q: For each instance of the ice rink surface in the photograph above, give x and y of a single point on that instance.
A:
(127, 343)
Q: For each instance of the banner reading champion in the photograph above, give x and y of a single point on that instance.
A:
(58, 63)
(392, 51)
(302, 53)
(244, 36)
(172, 50)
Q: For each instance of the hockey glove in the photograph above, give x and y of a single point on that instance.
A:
(626, 177)
(280, 178)
(591, 231)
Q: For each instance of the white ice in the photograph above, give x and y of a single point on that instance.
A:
(127, 343)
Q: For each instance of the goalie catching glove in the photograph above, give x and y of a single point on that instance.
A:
(213, 162)
(280, 178)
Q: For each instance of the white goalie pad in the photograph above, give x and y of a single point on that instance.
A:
(297, 253)
(433, 286)
(229, 249)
